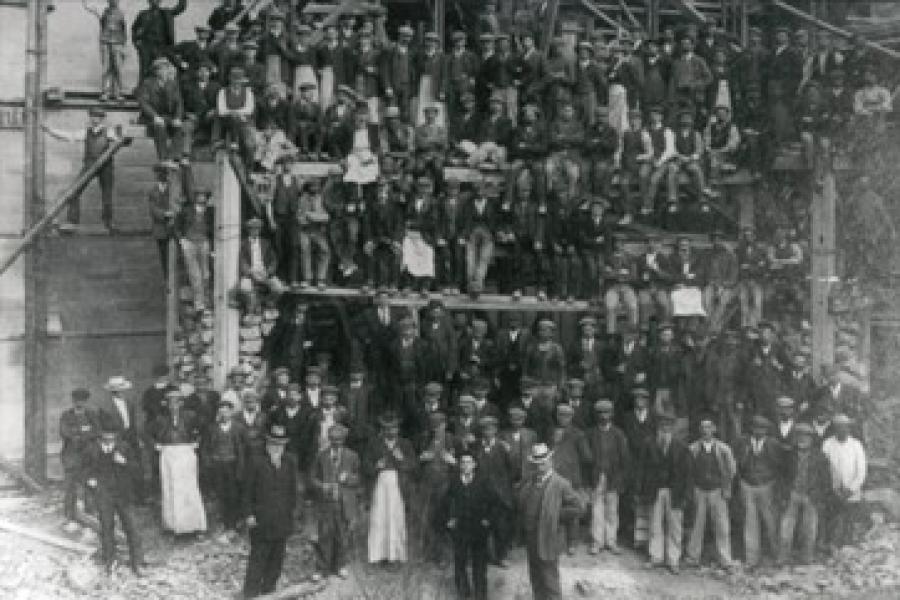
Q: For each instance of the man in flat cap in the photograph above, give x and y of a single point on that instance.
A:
(663, 480)
(785, 72)
(430, 81)
(518, 437)
(842, 397)
(807, 488)
(153, 33)
(585, 357)
(758, 457)
(609, 463)
(571, 456)
(438, 450)
(496, 466)
(467, 512)
(785, 419)
(79, 426)
(257, 264)
(336, 479)
(545, 360)
(461, 69)
(639, 426)
(113, 35)
(713, 469)
(162, 110)
(399, 72)
(97, 137)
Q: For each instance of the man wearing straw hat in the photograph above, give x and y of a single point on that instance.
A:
(546, 501)
(270, 495)
(121, 415)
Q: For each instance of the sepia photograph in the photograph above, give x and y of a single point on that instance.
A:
(449, 299)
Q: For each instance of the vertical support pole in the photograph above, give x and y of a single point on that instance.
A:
(823, 270)
(172, 296)
(35, 276)
(225, 271)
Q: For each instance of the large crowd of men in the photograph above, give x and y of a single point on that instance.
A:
(449, 432)
(652, 438)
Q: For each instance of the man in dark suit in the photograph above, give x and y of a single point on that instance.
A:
(841, 398)
(257, 264)
(438, 328)
(289, 414)
(111, 466)
(467, 512)
(546, 502)
(625, 366)
(496, 466)
(538, 411)
(200, 95)
(509, 353)
(336, 480)
(610, 463)
(153, 32)
(78, 428)
(162, 110)
(664, 481)
(399, 75)
(270, 495)
(120, 415)
(187, 56)
(639, 427)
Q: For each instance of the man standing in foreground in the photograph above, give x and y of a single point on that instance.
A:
(270, 495)
(546, 502)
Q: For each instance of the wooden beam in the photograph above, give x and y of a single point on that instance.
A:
(485, 302)
(60, 202)
(822, 206)
(688, 9)
(599, 13)
(35, 273)
(227, 236)
(631, 18)
(811, 20)
(46, 538)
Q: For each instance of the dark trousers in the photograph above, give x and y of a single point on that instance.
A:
(451, 265)
(286, 247)
(105, 177)
(74, 483)
(566, 278)
(543, 574)
(147, 53)
(509, 277)
(501, 531)
(264, 565)
(224, 480)
(591, 260)
(543, 273)
(383, 266)
(108, 508)
(470, 553)
(333, 537)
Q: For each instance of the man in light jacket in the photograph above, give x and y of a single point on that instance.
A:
(713, 469)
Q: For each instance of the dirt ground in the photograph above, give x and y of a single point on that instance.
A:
(207, 569)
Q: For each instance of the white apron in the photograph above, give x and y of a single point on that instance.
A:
(182, 505)
(326, 92)
(618, 107)
(687, 302)
(387, 520)
(418, 255)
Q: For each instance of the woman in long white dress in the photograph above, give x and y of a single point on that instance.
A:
(391, 460)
